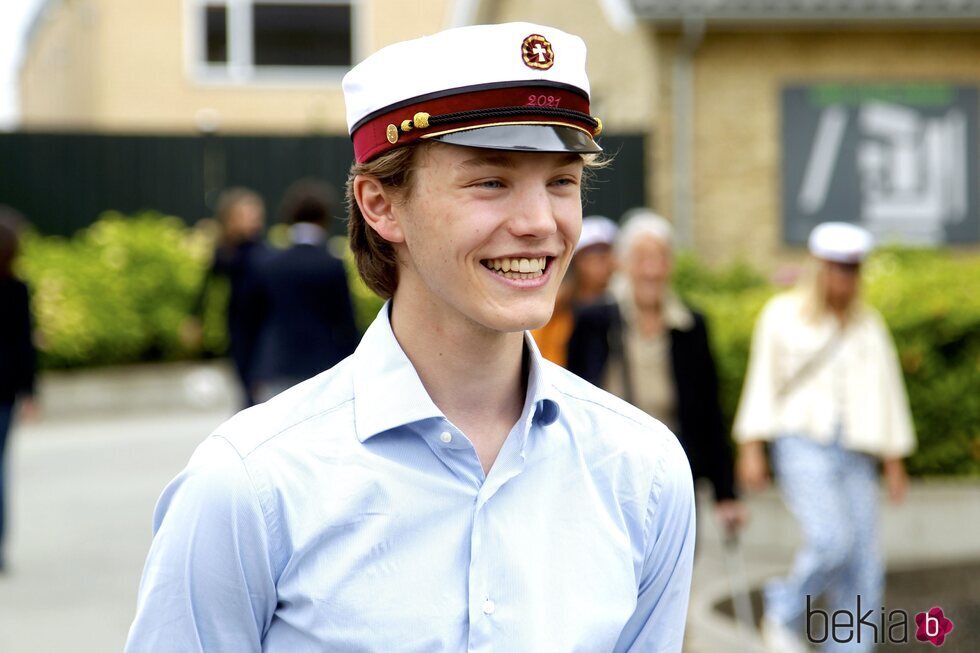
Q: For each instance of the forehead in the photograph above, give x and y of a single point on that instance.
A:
(647, 243)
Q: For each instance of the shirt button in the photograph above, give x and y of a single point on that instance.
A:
(488, 607)
(446, 437)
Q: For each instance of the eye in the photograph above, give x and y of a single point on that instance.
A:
(565, 182)
(488, 183)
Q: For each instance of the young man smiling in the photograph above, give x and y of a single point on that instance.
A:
(444, 488)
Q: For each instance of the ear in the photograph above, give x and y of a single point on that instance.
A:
(377, 207)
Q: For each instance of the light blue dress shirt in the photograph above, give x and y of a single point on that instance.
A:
(348, 514)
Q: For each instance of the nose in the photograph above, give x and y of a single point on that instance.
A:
(533, 215)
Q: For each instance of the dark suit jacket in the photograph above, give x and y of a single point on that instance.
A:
(17, 354)
(598, 335)
(300, 312)
(234, 263)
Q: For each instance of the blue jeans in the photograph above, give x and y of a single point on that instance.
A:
(833, 494)
(6, 417)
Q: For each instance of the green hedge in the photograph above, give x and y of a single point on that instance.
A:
(119, 291)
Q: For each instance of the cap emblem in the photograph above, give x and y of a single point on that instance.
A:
(537, 53)
(392, 134)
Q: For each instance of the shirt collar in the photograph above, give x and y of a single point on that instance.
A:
(307, 233)
(384, 376)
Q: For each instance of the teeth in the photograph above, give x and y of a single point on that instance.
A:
(522, 265)
(518, 268)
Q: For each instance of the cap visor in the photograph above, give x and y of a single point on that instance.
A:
(525, 138)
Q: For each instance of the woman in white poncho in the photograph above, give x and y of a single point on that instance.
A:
(824, 389)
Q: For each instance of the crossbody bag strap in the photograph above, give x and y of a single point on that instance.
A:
(813, 363)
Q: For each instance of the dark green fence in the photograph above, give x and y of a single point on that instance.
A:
(62, 182)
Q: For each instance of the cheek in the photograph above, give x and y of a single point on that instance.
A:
(568, 217)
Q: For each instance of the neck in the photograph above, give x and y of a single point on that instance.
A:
(473, 374)
(650, 317)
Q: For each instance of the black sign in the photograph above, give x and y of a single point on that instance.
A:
(900, 159)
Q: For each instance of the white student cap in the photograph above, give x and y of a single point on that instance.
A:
(840, 242)
(516, 86)
(597, 230)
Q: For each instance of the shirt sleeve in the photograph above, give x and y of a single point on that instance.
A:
(657, 623)
(756, 414)
(208, 584)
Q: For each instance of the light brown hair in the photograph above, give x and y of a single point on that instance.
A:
(375, 256)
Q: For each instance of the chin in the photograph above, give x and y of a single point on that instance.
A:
(524, 318)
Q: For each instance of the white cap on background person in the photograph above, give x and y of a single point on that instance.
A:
(597, 230)
(514, 86)
(840, 242)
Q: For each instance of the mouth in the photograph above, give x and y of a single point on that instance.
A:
(518, 268)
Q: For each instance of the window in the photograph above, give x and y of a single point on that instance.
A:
(301, 35)
(216, 30)
(246, 39)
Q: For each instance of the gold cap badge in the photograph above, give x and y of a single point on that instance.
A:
(537, 53)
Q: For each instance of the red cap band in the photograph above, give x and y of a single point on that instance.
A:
(544, 104)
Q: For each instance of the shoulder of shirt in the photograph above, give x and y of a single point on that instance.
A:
(314, 399)
(624, 427)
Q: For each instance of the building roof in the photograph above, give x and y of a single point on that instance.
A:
(906, 11)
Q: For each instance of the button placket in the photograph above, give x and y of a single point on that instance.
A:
(478, 577)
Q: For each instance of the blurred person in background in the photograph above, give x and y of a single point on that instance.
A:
(300, 313)
(241, 219)
(17, 354)
(650, 349)
(585, 283)
(825, 390)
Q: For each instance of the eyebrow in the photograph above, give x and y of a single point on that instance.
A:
(505, 161)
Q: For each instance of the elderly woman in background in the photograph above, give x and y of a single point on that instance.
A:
(650, 349)
(825, 390)
(585, 283)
